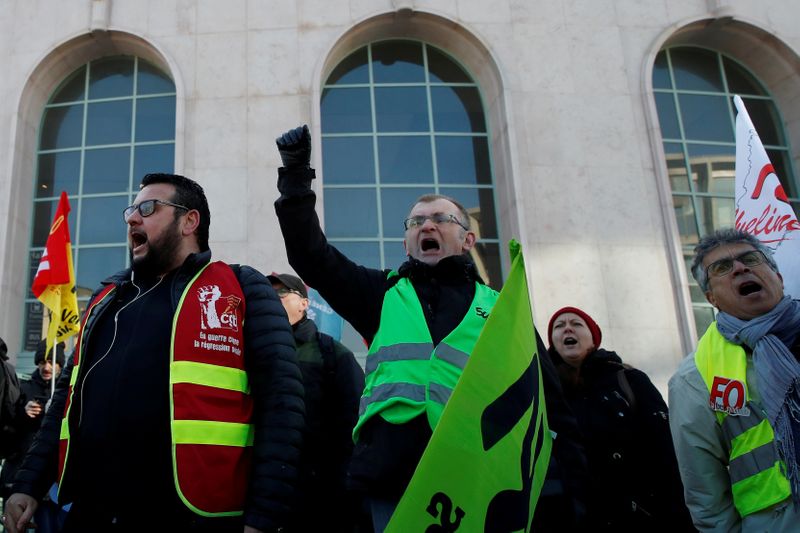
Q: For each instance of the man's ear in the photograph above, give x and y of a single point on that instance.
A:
(191, 222)
(469, 242)
(710, 298)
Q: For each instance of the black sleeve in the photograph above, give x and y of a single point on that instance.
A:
(563, 504)
(39, 469)
(652, 419)
(354, 291)
(349, 387)
(278, 411)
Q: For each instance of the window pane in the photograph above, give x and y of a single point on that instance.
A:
(667, 116)
(152, 158)
(348, 160)
(442, 69)
(58, 172)
(96, 264)
(676, 167)
(397, 62)
(713, 168)
(765, 119)
(395, 206)
(342, 220)
(106, 170)
(111, 77)
(394, 254)
(661, 72)
(706, 118)
(696, 69)
(463, 160)
(155, 119)
(43, 213)
(62, 127)
(362, 253)
(101, 220)
(353, 69)
(346, 111)
(684, 215)
(405, 159)
(457, 109)
(703, 317)
(715, 213)
(401, 109)
(72, 89)
(151, 80)
(479, 204)
(34, 258)
(109, 122)
(487, 259)
(739, 80)
(34, 326)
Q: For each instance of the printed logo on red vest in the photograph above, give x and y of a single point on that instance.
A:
(211, 300)
(728, 396)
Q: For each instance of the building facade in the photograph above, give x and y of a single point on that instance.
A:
(598, 133)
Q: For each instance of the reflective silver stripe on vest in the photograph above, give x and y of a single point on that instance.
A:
(383, 392)
(451, 355)
(753, 462)
(733, 426)
(440, 393)
(406, 351)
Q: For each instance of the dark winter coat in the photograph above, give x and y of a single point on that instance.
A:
(333, 382)
(24, 427)
(635, 481)
(386, 455)
(131, 390)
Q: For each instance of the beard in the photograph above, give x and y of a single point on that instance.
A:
(161, 252)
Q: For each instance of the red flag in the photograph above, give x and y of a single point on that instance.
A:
(54, 283)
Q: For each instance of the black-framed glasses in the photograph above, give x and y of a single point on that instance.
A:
(722, 267)
(147, 208)
(283, 292)
(436, 218)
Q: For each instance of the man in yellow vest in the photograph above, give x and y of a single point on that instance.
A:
(181, 408)
(735, 402)
(420, 321)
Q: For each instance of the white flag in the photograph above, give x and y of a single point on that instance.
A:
(762, 207)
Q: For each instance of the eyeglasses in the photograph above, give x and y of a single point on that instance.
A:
(147, 208)
(436, 218)
(722, 267)
(283, 293)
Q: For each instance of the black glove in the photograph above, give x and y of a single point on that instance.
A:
(295, 148)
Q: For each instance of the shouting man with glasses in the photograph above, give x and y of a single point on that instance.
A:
(735, 403)
(420, 321)
(181, 408)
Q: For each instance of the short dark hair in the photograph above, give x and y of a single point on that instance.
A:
(428, 198)
(190, 194)
(721, 237)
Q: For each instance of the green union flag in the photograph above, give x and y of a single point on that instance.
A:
(485, 464)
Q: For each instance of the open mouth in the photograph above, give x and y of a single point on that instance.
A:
(429, 244)
(570, 341)
(137, 239)
(749, 287)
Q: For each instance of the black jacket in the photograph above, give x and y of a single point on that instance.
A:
(386, 455)
(635, 481)
(23, 427)
(275, 384)
(333, 382)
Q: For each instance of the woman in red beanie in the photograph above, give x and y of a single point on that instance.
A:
(634, 473)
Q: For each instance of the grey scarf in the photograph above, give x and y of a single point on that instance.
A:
(777, 375)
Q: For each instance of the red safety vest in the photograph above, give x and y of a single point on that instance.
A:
(211, 407)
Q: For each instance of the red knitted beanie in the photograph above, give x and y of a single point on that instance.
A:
(594, 329)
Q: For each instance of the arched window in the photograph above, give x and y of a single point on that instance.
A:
(400, 119)
(109, 123)
(694, 90)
